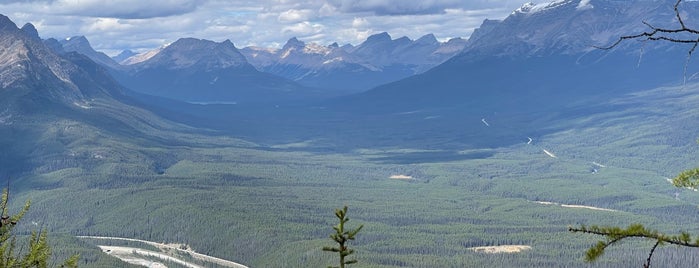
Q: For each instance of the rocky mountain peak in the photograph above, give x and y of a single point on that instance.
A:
(28, 65)
(76, 43)
(294, 43)
(81, 45)
(123, 55)
(378, 38)
(30, 30)
(428, 39)
(188, 52)
(6, 24)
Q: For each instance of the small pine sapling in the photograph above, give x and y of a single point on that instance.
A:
(341, 237)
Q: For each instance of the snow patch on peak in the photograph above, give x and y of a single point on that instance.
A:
(525, 8)
(531, 8)
(314, 48)
(338, 59)
(584, 5)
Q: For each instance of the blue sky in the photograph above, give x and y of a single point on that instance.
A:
(142, 25)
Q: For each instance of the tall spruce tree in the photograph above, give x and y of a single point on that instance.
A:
(341, 237)
(690, 178)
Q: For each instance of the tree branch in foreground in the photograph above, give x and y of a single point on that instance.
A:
(664, 34)
(682, 34)
(615, 234)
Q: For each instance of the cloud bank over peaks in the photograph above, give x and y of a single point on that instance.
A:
(138, 25)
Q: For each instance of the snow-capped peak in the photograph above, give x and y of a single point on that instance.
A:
(530, 7)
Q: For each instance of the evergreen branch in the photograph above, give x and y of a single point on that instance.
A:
(616, 234)
(71, 262)
(353, 233)
(331, 249)
(687, 178)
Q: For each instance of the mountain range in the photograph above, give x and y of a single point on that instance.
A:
(538, 62)
(238, 153)
(376, 61)
(309, 69)
(197, 70)
(544, 55)
(300, 71)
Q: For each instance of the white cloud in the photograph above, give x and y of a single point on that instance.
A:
(105, 25)
(139, 25)
(303, 29)
(360, 23)
(295, 15)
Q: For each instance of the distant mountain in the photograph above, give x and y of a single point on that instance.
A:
(381, 50)
(54, 45)
(124, 55)
(536, 66)
(569, 26)
(140, 57)
(81, 45)
(333, 70)
(376, 61)
(198, 70)
(545, 51)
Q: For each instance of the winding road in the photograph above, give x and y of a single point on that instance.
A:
(199, 256)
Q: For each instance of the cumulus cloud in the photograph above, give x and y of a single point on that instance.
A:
(360, 23)
(106, 25)
(295, 15)
(303, 29)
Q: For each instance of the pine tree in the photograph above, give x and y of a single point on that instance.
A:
(38, 250)
(341, 237)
